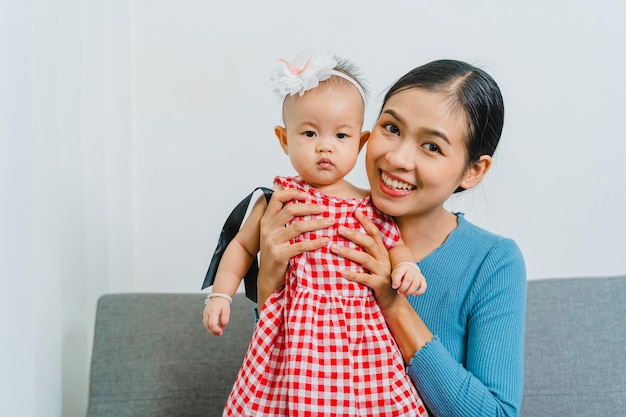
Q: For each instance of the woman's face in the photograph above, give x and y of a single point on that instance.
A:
(416, 155)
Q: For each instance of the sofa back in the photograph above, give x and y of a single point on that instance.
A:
(152, 356)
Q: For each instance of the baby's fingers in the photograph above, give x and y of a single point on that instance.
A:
(417, 286)
(396, 277)
(217, 318)
(214, 325)
(420, 287)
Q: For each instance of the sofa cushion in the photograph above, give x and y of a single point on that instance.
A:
(152, 356)
(575, 348)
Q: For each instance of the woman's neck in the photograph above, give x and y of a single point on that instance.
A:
(424, 233)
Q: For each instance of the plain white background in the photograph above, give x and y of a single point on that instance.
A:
(130, 128)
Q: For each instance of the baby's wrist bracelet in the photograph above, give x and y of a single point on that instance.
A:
(413, 264)
(218, 294)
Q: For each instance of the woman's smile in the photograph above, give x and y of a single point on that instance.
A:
(395, 183)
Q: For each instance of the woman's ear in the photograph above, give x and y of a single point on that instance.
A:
(281, 134)
(476, 172)
(364, 136)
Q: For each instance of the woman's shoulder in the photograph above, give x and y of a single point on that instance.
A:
(470, 232)
(479, 243)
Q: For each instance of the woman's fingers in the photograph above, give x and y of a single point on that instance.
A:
(274, 243)
(372, 242)
(275, 237)
(375, 258)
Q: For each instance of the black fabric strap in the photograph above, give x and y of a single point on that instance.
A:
(230, 229)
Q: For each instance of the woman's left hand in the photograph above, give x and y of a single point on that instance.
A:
(405, 324)
(374, 258)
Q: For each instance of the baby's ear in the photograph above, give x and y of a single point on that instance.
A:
(364, 136)
(281, 134)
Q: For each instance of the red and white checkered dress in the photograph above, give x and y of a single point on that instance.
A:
(321, 346)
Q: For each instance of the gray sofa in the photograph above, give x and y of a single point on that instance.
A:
(152, 357)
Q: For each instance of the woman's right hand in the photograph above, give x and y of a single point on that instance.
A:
(274, 244)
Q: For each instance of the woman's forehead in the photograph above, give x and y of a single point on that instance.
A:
(417, 107)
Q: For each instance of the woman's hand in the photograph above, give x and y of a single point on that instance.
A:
(274, 247)
(405, 324)
(374, 259)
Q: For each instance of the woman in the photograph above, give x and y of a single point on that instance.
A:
(462, 341)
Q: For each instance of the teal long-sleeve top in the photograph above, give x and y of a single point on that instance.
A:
(475, 307)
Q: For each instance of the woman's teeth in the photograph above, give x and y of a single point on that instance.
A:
(395, 184)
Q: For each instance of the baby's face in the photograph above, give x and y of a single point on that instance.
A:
(323, 132)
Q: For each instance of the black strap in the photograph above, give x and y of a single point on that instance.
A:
(230, 229)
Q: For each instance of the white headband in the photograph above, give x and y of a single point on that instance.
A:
(305, 72)
(352, 80)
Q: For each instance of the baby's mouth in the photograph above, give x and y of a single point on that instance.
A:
(396, 184)
(325, 163)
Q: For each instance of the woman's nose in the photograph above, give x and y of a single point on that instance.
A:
(402, 156)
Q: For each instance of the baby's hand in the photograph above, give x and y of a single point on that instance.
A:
(407, 278)
(216, 315)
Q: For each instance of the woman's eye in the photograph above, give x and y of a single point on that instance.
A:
(309, 134)
(431, 147)
(391, 128)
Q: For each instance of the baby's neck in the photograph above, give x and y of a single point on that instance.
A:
(341, 189)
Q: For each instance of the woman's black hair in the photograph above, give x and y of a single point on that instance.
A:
(470, 89)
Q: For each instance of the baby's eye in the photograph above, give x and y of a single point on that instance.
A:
(309, 134)
(431, 147)
(342, 135)
(391, 128)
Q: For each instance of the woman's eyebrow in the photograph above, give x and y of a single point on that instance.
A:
(427, 131)
(437, 133)
(393, 114)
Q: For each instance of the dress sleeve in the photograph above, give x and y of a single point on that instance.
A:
(490, 383)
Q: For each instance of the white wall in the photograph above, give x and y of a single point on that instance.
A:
(129, 129)
(65, 202)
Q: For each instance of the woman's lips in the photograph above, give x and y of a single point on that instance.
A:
(392, 184)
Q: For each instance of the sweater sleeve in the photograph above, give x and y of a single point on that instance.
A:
(490, 381)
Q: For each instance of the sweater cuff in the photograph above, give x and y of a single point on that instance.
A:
(420, 358)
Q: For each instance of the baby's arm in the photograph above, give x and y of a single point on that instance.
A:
(233, 266)
(406, 276)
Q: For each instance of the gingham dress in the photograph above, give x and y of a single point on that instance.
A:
(321, 346)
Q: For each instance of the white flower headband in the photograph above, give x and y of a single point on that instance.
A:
(305, 72)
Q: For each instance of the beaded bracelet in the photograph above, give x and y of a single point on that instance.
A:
(409, 263)
(218, 294)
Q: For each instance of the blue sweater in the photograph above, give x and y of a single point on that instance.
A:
(475, 306)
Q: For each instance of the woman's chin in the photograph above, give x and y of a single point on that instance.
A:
(388, 204)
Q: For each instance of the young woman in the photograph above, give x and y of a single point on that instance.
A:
(462, 341)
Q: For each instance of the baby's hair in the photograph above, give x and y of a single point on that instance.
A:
(351, 70)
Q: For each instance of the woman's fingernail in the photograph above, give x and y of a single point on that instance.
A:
(344, 230)
(329, 221)
(335, 248)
